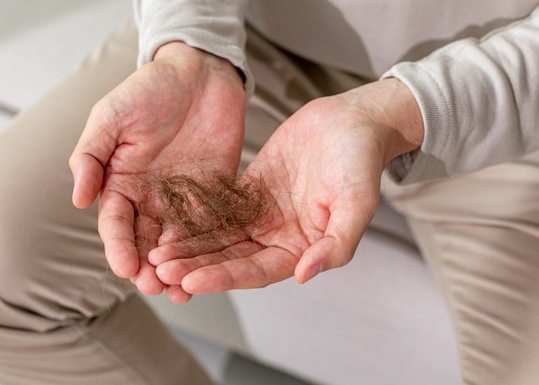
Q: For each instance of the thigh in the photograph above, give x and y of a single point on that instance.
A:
(64, 319)
(480, 235)
(52, 263)
(127, 344)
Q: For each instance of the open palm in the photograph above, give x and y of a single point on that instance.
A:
(185, 110)
(324, 174)
(323, 168)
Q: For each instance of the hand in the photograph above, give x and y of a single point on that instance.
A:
(323, 167)
(185, 108)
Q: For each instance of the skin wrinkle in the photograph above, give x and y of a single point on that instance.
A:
(112, 119)
(262, 267)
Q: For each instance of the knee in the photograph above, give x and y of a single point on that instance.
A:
(52, 266)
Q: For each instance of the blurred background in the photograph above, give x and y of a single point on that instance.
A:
(40, 40)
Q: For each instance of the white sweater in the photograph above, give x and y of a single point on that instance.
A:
(473, 66)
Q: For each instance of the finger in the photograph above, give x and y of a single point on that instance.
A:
(263, 268)
(324, 254)
(116, 228)
(147, 232)
(146, 280)
(347, 223)
(93, 151)
(192, 247)
(177, 295)
(173, 272)
(88, 177)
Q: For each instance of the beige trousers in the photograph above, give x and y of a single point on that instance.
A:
(480, 235)
(65, 320)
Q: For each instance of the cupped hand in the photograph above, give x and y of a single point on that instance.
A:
(323, 168)
(183, 110)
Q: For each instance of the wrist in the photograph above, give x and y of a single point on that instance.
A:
(393, 109)
(180, 53)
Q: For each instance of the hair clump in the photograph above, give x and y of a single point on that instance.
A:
(210, 203)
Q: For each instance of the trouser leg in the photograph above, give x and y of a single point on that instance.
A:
(480, 235)
(64, 319)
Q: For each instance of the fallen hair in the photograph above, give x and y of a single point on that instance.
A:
(213, 204)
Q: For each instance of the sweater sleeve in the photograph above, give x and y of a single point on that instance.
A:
(216, 27)
(479, 100)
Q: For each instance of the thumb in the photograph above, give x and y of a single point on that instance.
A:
(338, 245)
(88, 175)
(92, 153)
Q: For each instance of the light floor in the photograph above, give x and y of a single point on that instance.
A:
(227, 368)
